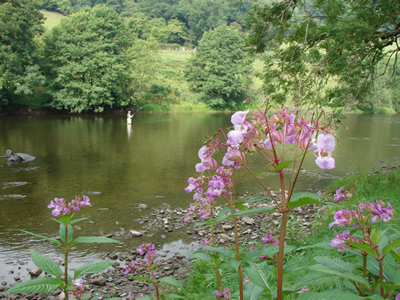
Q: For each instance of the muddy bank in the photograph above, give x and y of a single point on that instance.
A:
(176, 263)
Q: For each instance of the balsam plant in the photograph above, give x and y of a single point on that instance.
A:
(282, 140)
(370, 264)
(60, 277)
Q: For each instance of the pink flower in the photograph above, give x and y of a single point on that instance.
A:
(340, 196)
(338, 241)
(241, 128)
(325, 146)
(234, 157)
(207, 162)
(60, 206)
(343, 217)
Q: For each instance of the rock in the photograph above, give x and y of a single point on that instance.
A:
(35, 273)
(248, 220)
(100, 280)
(227, 227)
(136, 233)
(143, 206)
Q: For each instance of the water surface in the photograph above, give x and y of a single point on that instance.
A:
(120, 167)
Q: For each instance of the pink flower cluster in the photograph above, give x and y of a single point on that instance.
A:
(61, 206)
(226, 294)
(281, 128)
(366, 214)
(150, 254)
(217, 186)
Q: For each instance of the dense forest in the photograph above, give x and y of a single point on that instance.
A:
(104, 55)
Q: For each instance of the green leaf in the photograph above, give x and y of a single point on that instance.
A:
(200, 255)
(92, 267)
(260, 275)
(45, 264)
(172, 281)
(252, 291)
(39, 285)
(174, 296)
(77, 220)
(389, 247)
(222, 251)
(255, 199)
(70, 233)
(341, 274)
(363, 247)
(329, 295)
(268, 251)
(257, 210)
(93, 239)
(334, 263)
(395, 255)
(283, 165)
(54, 241)
(301, 199)
(143, 278)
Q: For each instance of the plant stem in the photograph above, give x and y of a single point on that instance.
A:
(238, 258)
(282, 238)
(66, 262)
(155, 284)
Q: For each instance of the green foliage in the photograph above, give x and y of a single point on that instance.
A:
(323, 52)
(20, 77)
(88, 62)
(219, 70)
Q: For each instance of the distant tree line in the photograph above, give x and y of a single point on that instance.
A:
(98, 59)
(104, 56)
(168, 21)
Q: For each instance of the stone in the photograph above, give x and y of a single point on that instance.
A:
(100, 280)
(248, 220)
(136, 233)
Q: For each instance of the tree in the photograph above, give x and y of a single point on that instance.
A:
(203, 15)
(20, 76)
(219, 69)
(323, 52)
(88, 65)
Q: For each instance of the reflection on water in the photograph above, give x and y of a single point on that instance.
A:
(120, 166)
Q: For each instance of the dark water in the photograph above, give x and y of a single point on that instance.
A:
(120, 167)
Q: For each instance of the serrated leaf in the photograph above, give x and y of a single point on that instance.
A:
(93, 239)
(268, 251)
(77, 220)
(172, 281)
(174, 296)
(54, 241)
(283, 165)
(391, 246)
(45, 264)
(39, 285)
(341, 274)
(313, 279)
(142, 278)
(252, 291)
(92, 268)
(301, 199)
(334, 263)
(222, 251)
(255, 199)
(260, 275)
(330, 295)
(363, 247)
(200, 255)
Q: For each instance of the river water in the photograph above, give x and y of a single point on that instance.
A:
(120, 167)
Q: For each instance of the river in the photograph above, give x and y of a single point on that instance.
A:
(120, 167)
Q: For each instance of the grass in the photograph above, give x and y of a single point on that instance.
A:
(52, 19)
(367, 186)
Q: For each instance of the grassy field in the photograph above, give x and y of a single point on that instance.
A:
(52, 19)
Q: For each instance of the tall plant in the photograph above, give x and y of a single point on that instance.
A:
(282, 140)
(60, 278)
